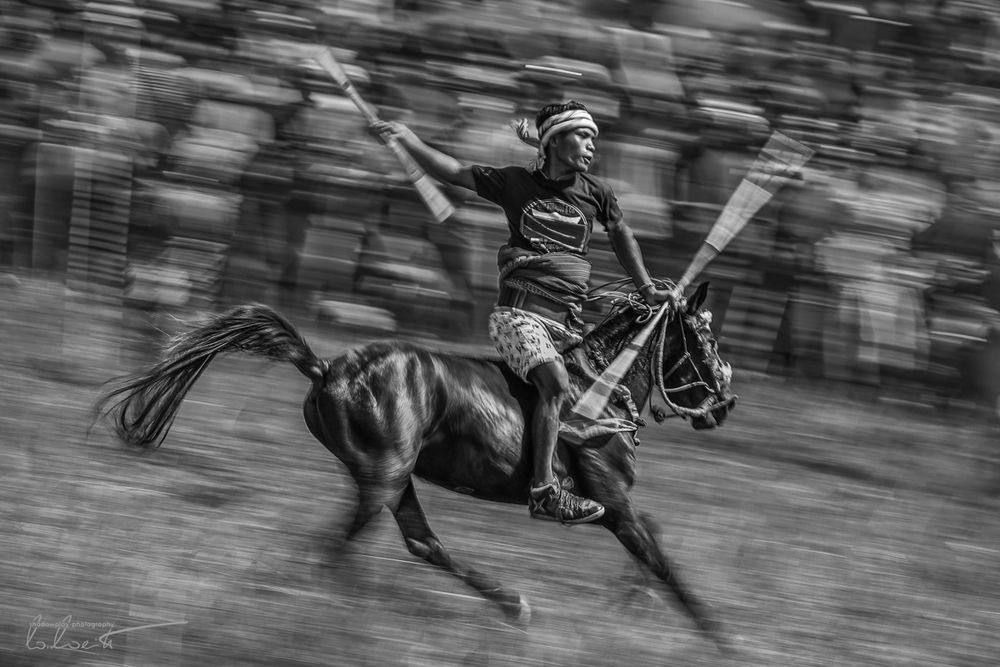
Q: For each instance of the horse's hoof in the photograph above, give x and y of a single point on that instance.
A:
(727, 645)
(518, 613)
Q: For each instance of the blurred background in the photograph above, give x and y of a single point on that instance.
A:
(163, 156)
(160, 159)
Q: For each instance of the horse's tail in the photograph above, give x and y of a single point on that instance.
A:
(143, 406)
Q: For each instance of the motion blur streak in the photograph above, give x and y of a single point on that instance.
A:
(161, 159)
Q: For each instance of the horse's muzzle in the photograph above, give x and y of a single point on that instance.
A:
(715, 413)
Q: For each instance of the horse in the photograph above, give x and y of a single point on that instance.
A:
(393, 410)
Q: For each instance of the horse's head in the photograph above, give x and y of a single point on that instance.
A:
(691, 377)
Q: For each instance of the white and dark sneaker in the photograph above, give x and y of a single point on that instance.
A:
(554, 503)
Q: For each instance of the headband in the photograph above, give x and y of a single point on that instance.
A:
(561, 122)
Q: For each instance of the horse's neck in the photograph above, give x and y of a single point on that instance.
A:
(606, 342)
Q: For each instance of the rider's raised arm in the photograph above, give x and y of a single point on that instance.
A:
(439, 165)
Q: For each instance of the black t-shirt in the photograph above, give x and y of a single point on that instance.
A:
(545, 215)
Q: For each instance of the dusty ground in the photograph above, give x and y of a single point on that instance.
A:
(823, 531)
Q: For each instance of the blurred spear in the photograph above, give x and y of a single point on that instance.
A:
(779, 160)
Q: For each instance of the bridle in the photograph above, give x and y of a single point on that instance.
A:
(713, 401)
(699, 322)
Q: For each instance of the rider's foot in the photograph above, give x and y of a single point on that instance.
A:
(554, 503)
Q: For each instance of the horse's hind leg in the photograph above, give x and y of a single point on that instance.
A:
(422, 542)
(367, 509)
(372, 497)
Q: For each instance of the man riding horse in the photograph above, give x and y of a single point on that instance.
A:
(550, 207)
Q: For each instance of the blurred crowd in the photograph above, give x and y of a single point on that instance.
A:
(189, 154)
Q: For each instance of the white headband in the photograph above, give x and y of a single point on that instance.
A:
(563, 122)
(553, 125)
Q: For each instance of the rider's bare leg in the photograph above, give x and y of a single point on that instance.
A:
(552, 383)
(548, 499)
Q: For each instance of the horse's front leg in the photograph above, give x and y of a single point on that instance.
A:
(638, 536)
(422, 542)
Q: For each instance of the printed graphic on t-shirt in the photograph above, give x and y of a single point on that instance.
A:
(554, 225)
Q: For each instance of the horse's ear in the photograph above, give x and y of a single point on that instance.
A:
(697, 300)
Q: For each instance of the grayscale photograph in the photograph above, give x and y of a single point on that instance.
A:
(499, 333)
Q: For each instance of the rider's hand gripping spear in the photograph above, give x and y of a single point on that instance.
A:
(435, 200)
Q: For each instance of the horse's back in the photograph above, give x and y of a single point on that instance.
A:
(428, 378)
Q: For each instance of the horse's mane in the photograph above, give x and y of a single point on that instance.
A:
(603, 343)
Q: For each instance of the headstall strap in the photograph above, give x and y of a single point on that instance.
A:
(661, 381)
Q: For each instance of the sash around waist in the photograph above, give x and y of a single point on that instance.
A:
(560, 276)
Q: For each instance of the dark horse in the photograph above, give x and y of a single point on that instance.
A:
(392, 410)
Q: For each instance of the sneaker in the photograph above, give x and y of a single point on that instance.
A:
(553, 503)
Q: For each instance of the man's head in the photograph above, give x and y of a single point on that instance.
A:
(566, 133)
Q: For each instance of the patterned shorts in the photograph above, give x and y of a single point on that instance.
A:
(526, 340)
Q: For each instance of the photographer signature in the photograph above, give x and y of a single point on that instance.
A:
(59, 643)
